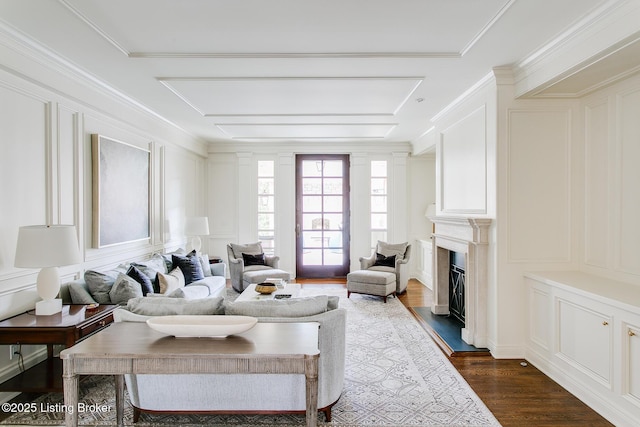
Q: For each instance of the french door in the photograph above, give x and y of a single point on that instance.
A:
(322, 215)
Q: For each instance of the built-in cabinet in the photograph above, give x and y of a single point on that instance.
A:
(584, 332)
(424, 255)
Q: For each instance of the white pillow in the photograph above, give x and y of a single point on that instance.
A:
(172, 281)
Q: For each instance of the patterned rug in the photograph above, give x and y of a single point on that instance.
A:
(395, 377)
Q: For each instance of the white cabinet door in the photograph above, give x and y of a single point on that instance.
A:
(585, 340)
(633, 361)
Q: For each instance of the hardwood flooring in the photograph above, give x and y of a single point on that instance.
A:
(517, 395)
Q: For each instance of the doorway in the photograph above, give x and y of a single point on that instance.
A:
(322, 215)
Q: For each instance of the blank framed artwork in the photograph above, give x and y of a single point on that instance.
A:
(121, 192)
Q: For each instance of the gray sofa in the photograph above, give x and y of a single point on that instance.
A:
(243, 393)
(117, 285)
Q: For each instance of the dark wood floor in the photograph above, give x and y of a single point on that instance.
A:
(517, 395)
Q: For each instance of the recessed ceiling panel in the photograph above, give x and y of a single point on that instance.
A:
(306, 131)
(294, 96)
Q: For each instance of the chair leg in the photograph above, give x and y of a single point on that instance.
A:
(348, 294)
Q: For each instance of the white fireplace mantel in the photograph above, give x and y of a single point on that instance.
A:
(471, 237)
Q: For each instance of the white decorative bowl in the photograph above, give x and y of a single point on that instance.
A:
(201, 325)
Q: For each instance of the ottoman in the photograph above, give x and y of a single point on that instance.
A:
(259, 276)
(371, 282)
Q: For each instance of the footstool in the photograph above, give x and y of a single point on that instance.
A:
(371, 282)
(259, 276)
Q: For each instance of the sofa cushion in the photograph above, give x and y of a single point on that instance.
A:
(170, 282)
(204, 262)
(298, 307)
(145, 281)
(165, 306)
(189, 265)
(124, 288)
(168, 260)
(100, 284)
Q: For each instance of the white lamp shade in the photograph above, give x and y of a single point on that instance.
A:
(196, 226)
(47, 246)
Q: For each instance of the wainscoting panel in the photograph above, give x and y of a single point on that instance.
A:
(598, 197)
(539, 186)
(628, 137)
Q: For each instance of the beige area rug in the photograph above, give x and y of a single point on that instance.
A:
(395, 377)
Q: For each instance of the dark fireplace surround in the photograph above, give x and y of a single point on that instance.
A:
(468, 236)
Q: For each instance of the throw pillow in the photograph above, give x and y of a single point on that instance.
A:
(385, 261)
(79, 293)
(100, 284)
(298, 307)
(140, 277)
(388, 249)
(167, 258)
(170, 282)
(206, 267)
(189, 265)
(124, 289)
(250, 248)
(250, 259)
(165, 306)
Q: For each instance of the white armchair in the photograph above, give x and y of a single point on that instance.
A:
(382, 256)
(249, 264)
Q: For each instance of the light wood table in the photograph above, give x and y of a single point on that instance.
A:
(134, 348)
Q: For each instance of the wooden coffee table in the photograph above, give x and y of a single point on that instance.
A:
(134, 348)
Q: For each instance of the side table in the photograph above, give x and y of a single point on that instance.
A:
(68, 327)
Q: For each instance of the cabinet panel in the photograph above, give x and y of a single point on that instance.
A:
(633, 362)
(585, 340)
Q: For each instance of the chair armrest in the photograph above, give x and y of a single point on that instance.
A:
(271, 260)
(219, 269)
(367, 262)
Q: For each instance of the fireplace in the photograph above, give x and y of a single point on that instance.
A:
(456, 285)
(469, 237)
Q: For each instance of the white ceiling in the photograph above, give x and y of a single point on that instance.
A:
(293, 70)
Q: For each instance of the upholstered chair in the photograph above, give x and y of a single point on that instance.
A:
(380, 261)
(249, 264)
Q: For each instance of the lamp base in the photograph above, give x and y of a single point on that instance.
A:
(48, 307)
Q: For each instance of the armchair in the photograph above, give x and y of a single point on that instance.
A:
(249, 264)
(383, 273)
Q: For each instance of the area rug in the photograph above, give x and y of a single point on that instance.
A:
(395, 377)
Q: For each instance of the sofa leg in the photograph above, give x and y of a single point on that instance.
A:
(348, 294)
(327, 414)
(136, 414)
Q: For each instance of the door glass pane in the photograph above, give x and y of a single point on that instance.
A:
(379, 221)
(265, 203)
(333, 203)
(333, 221)
(333, 168)
(312, 239)
(378, 186)
(312, 203)
(311, 186)
(266, 221)
(312, 168)
(332, 257)
(265, 186)
(332, 186)
(312, 257)
(378, 203)
(333, 239)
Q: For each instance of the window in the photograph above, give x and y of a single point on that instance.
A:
(266, 205)
(379, 213)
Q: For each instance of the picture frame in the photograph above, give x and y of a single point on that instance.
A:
(121, 192)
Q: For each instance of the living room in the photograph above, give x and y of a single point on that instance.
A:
(544, 146)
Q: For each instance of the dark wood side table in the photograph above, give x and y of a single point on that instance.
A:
(68, 327)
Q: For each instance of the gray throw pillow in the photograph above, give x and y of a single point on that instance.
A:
(250, 248)
(80, 293)
(298, 307)
(100, 284)
(165, 306)
(124, 289)
(389, 249)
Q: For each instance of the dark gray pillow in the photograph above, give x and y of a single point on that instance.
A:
(79, 292)
(124, 289)
(100, 284)
(145, 281)
(190, 266)
(165, 306)
(297, 307)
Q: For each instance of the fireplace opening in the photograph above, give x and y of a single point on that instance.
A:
(457, 285)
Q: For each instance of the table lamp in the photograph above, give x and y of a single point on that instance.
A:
(196, 226)
(47, 247)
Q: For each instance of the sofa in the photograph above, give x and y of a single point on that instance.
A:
(177, 274)
(242, 393)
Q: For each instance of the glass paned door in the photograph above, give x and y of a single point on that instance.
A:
(322, 215)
